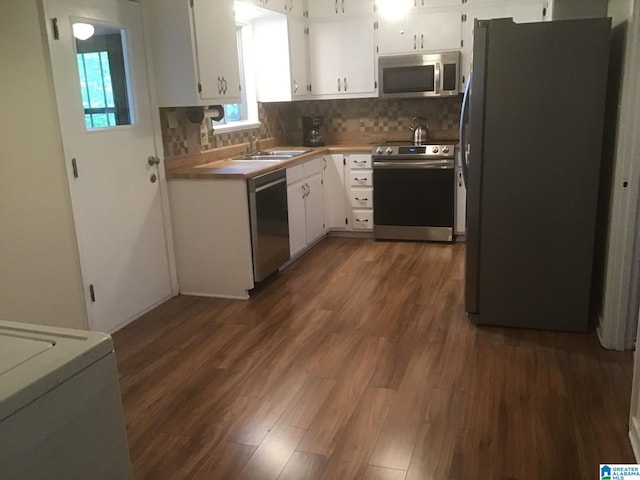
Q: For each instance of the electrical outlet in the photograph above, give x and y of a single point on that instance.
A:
(204, 134)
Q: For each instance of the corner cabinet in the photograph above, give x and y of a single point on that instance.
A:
(342, 58)
(281, 58)
(195, 51)
(305, 202)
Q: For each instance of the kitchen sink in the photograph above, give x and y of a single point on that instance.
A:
(253, 158)
(279, 155)
(283, 153)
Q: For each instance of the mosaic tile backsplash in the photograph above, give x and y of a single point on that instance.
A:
(361, 118)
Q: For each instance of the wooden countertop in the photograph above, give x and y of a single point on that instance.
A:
(228, 168)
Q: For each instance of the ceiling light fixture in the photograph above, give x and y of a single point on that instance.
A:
(393, 9)
(82, 31)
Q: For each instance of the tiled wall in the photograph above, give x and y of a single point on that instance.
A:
(379, 118)
(181, 137)
(353, 118)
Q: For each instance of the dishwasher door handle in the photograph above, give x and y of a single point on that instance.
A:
(270, 184)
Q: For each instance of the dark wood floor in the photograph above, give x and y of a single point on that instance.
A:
(357, 362)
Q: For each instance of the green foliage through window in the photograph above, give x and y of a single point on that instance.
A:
(97, 90)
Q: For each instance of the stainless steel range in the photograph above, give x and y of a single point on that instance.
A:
(414, 191)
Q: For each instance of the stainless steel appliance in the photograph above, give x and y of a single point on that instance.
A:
(420, 132)
(531, 134)
(419, 75)
(269, 222)
(414, 192)
(311, 136)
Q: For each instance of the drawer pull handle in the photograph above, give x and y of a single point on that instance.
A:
(362, 199)
(360, 179)
(362, 220)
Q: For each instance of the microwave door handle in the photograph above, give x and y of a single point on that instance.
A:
(464, 115)
(438, 79)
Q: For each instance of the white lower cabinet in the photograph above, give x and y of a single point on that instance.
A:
(360, 181)
(305, 201)
(335, 198)
(348, 186)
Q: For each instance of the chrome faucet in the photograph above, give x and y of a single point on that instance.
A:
(254, 144)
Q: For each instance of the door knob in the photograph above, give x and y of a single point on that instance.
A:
(152, 160)
(153, 178)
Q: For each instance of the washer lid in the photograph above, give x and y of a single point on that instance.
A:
(17, 350)
(35, 359)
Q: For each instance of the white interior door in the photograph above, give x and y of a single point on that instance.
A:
(106, 121)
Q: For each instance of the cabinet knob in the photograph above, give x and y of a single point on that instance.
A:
(153, 160)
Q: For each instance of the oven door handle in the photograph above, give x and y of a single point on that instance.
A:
(414, 164)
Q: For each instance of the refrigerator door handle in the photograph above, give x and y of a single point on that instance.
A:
(464, 115)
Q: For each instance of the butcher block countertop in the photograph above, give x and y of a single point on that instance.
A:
(230, 168)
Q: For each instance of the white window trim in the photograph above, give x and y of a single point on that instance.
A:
(236, 126)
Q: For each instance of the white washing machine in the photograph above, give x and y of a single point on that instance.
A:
(60, 407)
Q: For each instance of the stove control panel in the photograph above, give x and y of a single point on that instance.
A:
(414, 151)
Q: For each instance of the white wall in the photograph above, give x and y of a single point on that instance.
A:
(40, 279)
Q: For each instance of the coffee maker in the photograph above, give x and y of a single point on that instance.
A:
(311, 131)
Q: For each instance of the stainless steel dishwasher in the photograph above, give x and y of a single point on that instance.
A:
(269, 222)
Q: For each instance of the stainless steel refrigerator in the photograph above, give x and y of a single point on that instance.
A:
(531, 144)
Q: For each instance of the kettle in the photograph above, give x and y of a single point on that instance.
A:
(420, 132)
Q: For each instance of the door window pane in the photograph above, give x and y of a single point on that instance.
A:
(103, 76)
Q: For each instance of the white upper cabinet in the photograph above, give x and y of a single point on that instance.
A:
(342, 58)
(291, 7)
(191, 66)
(333, 8)
(521, 11)
(433, 29)
(281, 58)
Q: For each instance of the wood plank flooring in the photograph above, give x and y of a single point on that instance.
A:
(358, 362)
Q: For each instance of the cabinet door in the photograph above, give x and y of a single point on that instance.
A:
(357, 49)
(216, 50)
(394, 36)
(281, 6)
(355, 7)
(314, 207)
(298, 56)
(297, 218)
(437, 30)
(295, 7)
(324, 57)
(335, 193)
(323, 8)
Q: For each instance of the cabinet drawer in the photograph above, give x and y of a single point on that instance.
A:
(361, 178)
(312, 166)
(361, 198)
(295, 174)
(362, 220)
(358, 161)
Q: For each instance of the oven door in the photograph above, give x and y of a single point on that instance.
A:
(413, 200)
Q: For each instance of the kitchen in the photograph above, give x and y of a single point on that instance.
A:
(72, 290)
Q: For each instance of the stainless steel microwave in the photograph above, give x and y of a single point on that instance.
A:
(419, 75)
